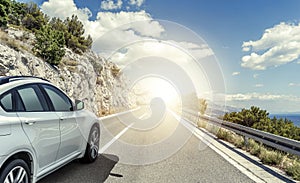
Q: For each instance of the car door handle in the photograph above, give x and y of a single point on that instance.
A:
(29, 123)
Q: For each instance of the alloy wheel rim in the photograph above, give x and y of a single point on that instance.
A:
(17, 174)
(94, 143)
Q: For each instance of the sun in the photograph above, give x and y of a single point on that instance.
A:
(156, 87)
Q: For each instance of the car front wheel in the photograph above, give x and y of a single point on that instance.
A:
(92, 148)
(15, 171)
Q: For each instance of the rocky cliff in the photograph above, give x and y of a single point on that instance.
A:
(87, 77)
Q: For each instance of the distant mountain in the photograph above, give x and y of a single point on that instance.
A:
(286, 113)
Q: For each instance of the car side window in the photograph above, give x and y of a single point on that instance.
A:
(59, 100)
(32, 99)
(7, 102)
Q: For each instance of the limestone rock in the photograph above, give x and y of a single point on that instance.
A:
(86, 77)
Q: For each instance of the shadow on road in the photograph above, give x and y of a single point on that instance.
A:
(91, 173)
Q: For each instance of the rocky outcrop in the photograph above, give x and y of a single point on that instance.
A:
(87, 77)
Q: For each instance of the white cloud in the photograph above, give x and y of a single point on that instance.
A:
(277, 46)
(111, 5)
(238, 97)
(64, 9)
(274, 103)
(124, 37)
(236, 73)
(258, 85)
(260, 96)
(294, 84)
(137, 3)
(105, 21)
(171, 50)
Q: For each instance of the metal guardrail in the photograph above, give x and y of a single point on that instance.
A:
(275, 141)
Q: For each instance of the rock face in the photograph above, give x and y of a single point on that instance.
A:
(86, 77)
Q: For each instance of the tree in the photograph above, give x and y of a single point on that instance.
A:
(88, 42)
(4, 11)
(18, 12)
(74, 35)
(3, 16)
(34, 19)
(49, 45)
(58, 24)
(259, 119)
(247, 117)
(75, 26)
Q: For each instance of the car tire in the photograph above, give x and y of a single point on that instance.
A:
(16, 171)
(92, 148)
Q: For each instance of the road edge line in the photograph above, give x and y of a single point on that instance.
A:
(209, 143)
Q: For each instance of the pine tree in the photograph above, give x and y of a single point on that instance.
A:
(4, 12)
(50, 45)
(74, 35)
(18, 12)
(34, 19)
(58, 24)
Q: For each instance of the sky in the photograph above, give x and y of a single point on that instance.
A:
(256, 44)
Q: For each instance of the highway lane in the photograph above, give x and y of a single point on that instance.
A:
(148, 151)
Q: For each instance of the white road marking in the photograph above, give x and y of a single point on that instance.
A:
(209, 141)
(114, 139)
(144, 115)
(118, 136)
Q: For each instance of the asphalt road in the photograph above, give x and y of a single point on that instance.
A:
(139, 148)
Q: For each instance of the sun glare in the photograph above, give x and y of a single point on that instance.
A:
(155, 87)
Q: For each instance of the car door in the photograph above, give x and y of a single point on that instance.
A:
(39, 123)
(71, 137)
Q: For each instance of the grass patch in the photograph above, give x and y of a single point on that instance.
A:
(223, 134)
(12, 43)
(254, 148)
(70, 64)
(115, 70)
(239, 142)
(202, 123)
(271, 157)
(293, 170)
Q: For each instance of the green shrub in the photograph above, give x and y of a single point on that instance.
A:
(3, 16)
(202, 123)
(259, 119)
(293, 170)
(223, 134)
(4, 12)
(239, 141)
(254, 148)
(49, 45)
(270, 157)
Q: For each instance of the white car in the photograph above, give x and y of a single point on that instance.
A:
(41, 129)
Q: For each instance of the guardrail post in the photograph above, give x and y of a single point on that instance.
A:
(246, 141)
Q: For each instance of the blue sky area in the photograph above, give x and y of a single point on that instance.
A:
(225, 26)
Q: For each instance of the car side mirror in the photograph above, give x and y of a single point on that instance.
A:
(79, 105)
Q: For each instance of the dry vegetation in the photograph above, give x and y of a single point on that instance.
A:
(269, 156)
